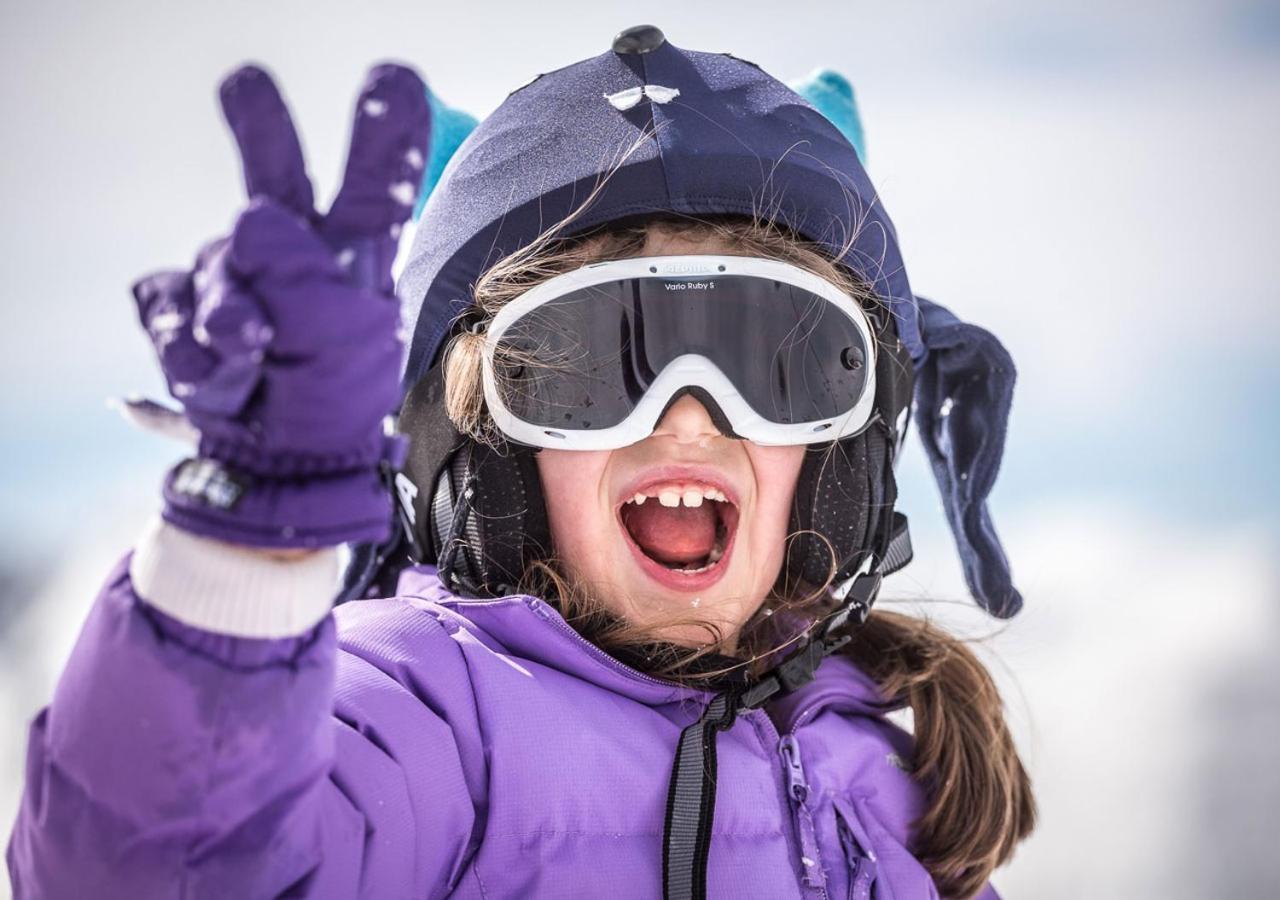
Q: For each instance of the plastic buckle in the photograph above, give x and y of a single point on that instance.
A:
(801, 667)
(791, 674)
(857, 604)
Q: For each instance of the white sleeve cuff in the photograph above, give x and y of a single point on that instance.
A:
(232, 590)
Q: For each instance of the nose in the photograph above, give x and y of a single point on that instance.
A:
(687, 421)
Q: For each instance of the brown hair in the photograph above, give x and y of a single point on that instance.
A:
(979, 796)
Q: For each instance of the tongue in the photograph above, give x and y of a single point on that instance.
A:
(672, 534)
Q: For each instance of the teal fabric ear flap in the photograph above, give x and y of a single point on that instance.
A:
(833, 96)
(449, 128)
(963, 393)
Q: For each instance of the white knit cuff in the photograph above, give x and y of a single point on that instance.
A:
(232, 590)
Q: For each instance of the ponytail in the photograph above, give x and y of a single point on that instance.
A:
(980, 802)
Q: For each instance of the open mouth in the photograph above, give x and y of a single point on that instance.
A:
(681, 534)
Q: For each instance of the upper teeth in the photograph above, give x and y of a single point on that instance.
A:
(675, 495)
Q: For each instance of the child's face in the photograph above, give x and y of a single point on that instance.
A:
(586, 492)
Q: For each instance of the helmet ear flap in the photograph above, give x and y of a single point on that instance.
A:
(507, 530)
(831, 515)
(427, 481)
(846, 489)
(474, 510)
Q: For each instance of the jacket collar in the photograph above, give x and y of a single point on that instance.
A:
(528, 628)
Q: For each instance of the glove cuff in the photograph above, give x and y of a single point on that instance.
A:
(235, 452)
(208, 498)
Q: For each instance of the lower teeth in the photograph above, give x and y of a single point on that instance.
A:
(694, 571)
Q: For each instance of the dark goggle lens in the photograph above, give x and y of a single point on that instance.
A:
(584, 360)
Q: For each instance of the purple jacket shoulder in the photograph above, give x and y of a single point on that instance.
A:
(449, 747)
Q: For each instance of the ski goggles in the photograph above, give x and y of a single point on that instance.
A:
(591, 359)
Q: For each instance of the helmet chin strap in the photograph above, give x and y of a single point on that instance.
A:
(799, 668)
(691, 790)
(857, 595)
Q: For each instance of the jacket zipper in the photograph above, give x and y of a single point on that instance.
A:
(798, 793)
(861, 860)
(789, 823)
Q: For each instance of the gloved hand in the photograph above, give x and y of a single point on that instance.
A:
(282, 343)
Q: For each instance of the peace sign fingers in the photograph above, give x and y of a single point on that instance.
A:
(264, 132)
(384, 164)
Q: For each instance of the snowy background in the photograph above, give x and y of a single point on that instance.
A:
(1097, 187)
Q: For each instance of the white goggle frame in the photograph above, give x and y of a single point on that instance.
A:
(688, 370)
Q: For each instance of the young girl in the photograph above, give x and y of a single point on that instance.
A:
(660, 371)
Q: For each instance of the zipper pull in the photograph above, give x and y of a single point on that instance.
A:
(796, 785)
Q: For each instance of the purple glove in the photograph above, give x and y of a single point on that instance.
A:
(283, 342)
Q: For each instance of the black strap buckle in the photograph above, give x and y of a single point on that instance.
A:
(800, 668)
(797, 670)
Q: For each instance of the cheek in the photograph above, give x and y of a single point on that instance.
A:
(573, 486)
(776, 471)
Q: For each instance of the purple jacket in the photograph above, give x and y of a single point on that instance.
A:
(431, 746)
